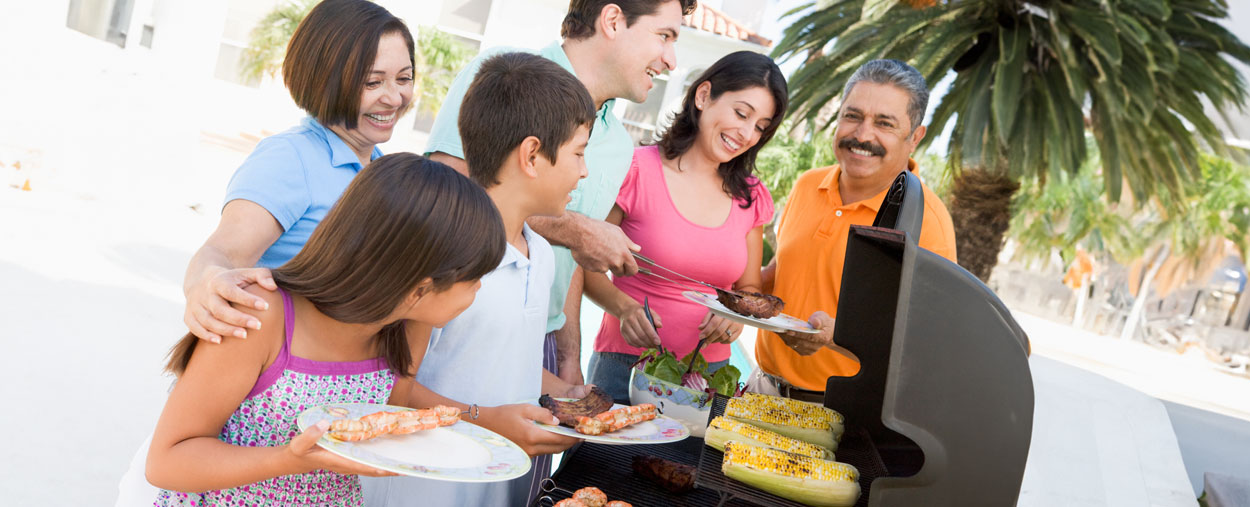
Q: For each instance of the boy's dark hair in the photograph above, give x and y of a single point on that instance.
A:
(735, 71)
(403, 219)
(331, 55)
(579, 23)
(514, 96)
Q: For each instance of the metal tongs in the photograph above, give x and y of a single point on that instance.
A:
(646, 271)
(646, 309)
(547, 487)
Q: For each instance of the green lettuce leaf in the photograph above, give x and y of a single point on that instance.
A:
(668, 369)
(725, 380)
(699, 366)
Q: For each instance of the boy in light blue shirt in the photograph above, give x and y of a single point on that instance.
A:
(525, 144)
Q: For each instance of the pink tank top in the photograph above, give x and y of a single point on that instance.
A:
(267, 416)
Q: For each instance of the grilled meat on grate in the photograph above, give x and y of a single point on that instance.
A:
(670, 475)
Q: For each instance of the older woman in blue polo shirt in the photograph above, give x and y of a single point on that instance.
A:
(350, 65)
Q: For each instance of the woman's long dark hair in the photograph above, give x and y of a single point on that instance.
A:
(403, 219)
(736, 71)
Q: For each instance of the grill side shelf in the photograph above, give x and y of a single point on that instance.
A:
(855, 449)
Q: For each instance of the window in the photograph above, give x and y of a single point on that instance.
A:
(465, 16)
(241, 17)
(642, 120)
(107, 20)
(465, 21)
(423, 121)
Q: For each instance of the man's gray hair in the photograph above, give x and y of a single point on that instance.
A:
(894, 72)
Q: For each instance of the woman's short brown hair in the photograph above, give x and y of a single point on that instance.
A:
(331, 55)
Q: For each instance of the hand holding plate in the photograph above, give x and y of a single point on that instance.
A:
(516, 423)
(305, 450)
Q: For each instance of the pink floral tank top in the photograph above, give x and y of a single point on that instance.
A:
(267, 418)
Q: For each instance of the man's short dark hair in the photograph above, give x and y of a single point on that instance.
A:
(331, 55)
(579, 23)
(514, 96)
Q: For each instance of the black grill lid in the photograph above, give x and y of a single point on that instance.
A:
(944, 389)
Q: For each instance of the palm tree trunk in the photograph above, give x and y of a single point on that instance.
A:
(1143, 292)
(981, 211)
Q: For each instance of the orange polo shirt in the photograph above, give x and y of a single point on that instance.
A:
(811, 246)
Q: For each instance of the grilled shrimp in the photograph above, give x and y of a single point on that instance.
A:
(613, 420)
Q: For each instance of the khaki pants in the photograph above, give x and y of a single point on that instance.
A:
(763, 383)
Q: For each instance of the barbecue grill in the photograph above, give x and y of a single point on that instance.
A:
(941, 411)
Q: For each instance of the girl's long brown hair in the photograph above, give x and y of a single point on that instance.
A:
(403, 219)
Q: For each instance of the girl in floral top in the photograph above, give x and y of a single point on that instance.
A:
(408, 241)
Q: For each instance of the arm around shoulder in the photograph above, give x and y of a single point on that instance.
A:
(222, 266)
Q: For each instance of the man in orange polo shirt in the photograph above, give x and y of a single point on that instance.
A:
(878, 129)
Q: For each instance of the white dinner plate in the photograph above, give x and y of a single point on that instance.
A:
(779, 324)
(461, 452)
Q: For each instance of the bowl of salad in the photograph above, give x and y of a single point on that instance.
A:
(680, 389)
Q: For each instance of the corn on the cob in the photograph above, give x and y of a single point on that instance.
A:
(804, 479)
(795, 422)
(799, 407)
(722, 430)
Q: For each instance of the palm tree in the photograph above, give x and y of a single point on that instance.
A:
(1029, 78)
(439, 55)
(790, 153)
(267, 45)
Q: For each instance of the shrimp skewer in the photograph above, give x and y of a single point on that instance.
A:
(613, 420)
(392, 423)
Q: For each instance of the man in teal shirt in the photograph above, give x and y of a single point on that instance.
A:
(615, 48)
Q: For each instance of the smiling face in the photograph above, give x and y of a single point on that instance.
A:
(559, 179)
(645, 49)
(386, 94)
(874, 136)
(734, 122)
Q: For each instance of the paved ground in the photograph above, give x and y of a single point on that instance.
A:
(1210, 442)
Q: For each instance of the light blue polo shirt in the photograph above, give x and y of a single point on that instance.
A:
(607, 160)
(491, 355)
(296, 176)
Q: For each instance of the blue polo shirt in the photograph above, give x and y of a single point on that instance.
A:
(608, 156)
(296, 176)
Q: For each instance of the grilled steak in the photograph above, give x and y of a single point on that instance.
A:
(672, 476)
(754, 304)
(567, 412)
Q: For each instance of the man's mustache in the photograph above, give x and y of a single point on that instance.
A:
(868, 146)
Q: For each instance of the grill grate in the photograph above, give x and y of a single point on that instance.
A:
(607, 467)
(855, 449)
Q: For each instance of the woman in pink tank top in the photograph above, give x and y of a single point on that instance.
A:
(408, 240)
(693, 205)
